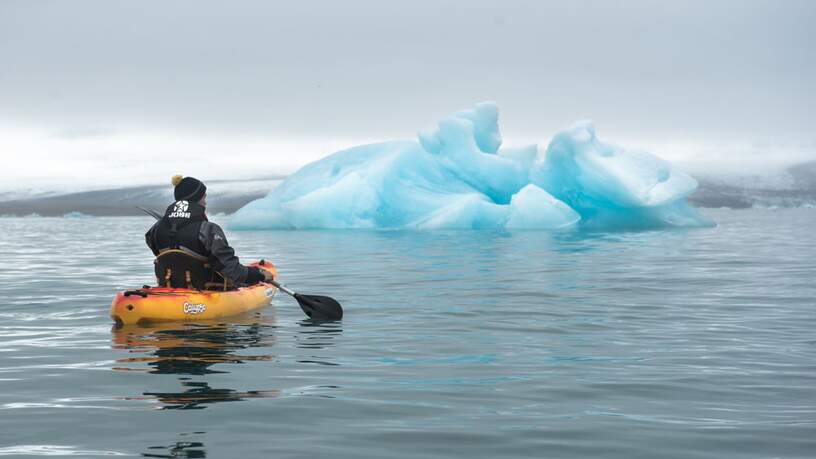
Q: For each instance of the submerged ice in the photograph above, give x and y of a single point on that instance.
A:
(459, 176)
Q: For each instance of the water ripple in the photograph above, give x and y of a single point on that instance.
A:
(455, 344)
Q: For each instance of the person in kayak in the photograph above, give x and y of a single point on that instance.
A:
(191, 251)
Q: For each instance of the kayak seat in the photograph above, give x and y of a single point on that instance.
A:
(177, 268)
(219, 282)
(180, 268)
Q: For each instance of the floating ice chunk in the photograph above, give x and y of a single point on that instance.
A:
(460, 145)
(349, 202)
(430, 141)
(484, 119)
(534, 208)
(586, 173)
(456, 176)
(530, 208)
(614, 187)
(526, 156)
(466, 211)
(386, 185)
(75, 214)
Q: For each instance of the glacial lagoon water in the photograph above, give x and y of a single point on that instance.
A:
(695, 343)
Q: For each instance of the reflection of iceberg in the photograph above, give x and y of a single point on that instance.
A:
(457, 176)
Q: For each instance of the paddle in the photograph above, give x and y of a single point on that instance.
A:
(152, 213)
(317, 307)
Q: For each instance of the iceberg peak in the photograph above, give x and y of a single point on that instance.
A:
(480, 123)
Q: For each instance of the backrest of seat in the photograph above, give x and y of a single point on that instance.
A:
(177, 268)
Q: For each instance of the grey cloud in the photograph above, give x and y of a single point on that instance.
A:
(83, 132)
(701, 70)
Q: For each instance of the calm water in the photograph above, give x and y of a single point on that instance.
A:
(675, 344)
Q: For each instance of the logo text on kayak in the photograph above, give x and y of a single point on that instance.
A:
(194, 308)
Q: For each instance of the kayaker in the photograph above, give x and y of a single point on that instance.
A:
(191, 251)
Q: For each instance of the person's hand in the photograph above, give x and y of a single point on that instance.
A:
(255, 275)
(267, 276)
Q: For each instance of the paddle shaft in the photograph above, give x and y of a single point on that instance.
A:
(152, 213)
(282, 287)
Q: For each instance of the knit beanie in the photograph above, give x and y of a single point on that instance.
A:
(188, 188)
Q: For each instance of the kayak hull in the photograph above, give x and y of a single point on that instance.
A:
(159, 304)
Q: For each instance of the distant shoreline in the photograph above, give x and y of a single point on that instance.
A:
(226, 197)
(223, 197)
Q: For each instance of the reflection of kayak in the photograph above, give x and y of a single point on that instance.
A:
(159, 304)
(193, 349)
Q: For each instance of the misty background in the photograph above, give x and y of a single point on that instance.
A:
(97, 95)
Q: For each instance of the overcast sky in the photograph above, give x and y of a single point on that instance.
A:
(103, 91)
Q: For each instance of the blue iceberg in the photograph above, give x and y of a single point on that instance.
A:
(457, 176)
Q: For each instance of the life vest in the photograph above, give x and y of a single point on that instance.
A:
(182, 261)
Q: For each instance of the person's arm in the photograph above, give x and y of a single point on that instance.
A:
(150, 238)
(214, 240)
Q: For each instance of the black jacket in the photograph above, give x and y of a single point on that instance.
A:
(197, 234)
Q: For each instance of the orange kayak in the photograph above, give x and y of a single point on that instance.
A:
(159, 304)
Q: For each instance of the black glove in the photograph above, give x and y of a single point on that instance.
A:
(254, 276)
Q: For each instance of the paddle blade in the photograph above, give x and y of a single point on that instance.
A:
(319, 307)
